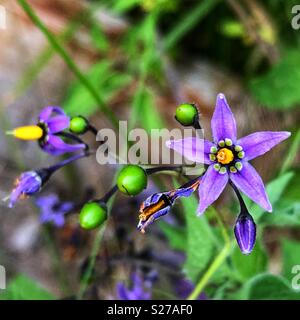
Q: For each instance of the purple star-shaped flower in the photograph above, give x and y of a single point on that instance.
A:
(227, 157)
(53, 120)
(53, 210)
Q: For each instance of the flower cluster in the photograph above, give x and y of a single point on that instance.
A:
(227, 160)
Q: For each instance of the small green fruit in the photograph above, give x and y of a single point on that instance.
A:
(79, 125)
(186, 114)
(92, 215)
(132, 180)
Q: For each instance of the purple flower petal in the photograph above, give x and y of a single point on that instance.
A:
(194, 149)
(245, 233)
(223, 122)
(58, 123)
(46, 113)
(258, 143)
(210, 188)
(56, 146)
(250, 183)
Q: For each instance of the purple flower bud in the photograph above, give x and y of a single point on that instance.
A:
(245, 232)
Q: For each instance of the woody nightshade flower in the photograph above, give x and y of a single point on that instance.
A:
(51, 124)
(159, 204)
(227, 157)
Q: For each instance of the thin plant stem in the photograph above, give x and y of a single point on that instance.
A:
(69, 61)
(217, 262)
(93, 255)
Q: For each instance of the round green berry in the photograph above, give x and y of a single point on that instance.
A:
(132, 180)
(79, 125)
(186, 114)
(92, 215)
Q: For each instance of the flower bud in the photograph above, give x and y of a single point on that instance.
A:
(132, 180)
(79, 125)
(186, 114)
(92, 215)
(245, 232)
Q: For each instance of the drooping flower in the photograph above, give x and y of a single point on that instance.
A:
(52, 122)
(53, 210)
(227, 157)
(140, 289)
(159, 204)
(29, 183)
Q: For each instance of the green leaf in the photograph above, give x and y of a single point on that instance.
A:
(107, 81)
(144, 109)
(200, 243)
(269, 287)
(175, 235)
(251, 265)
(24, 288)
(279, 88)
(290, 257)
(99, 39)
(188, 22)
(286, 210)
(274, 190)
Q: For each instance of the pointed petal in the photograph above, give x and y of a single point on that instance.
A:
(58, 123)
(56, 146)
(250, 183)
(46, 113)
(258, 143)
(210, 188)
(223, 123)
(194, 149)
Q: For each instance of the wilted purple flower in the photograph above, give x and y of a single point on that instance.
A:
(139, 289)
(27, 184)
(53, 120)
(245, 232)
(227, 157)
(53, 210)
(31, 182)
(159, 204)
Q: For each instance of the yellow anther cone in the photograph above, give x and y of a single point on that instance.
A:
(27, 133)
(225, 156)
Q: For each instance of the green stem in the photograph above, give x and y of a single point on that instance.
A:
(188, 22)
(69, 61)
(93, 255)
(92, 260)
(218, 261)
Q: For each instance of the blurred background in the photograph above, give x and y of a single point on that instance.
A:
(143, 58)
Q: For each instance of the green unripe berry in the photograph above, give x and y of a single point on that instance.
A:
(92, 215)
(132, 180)
(79, 125)
(186, 114)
